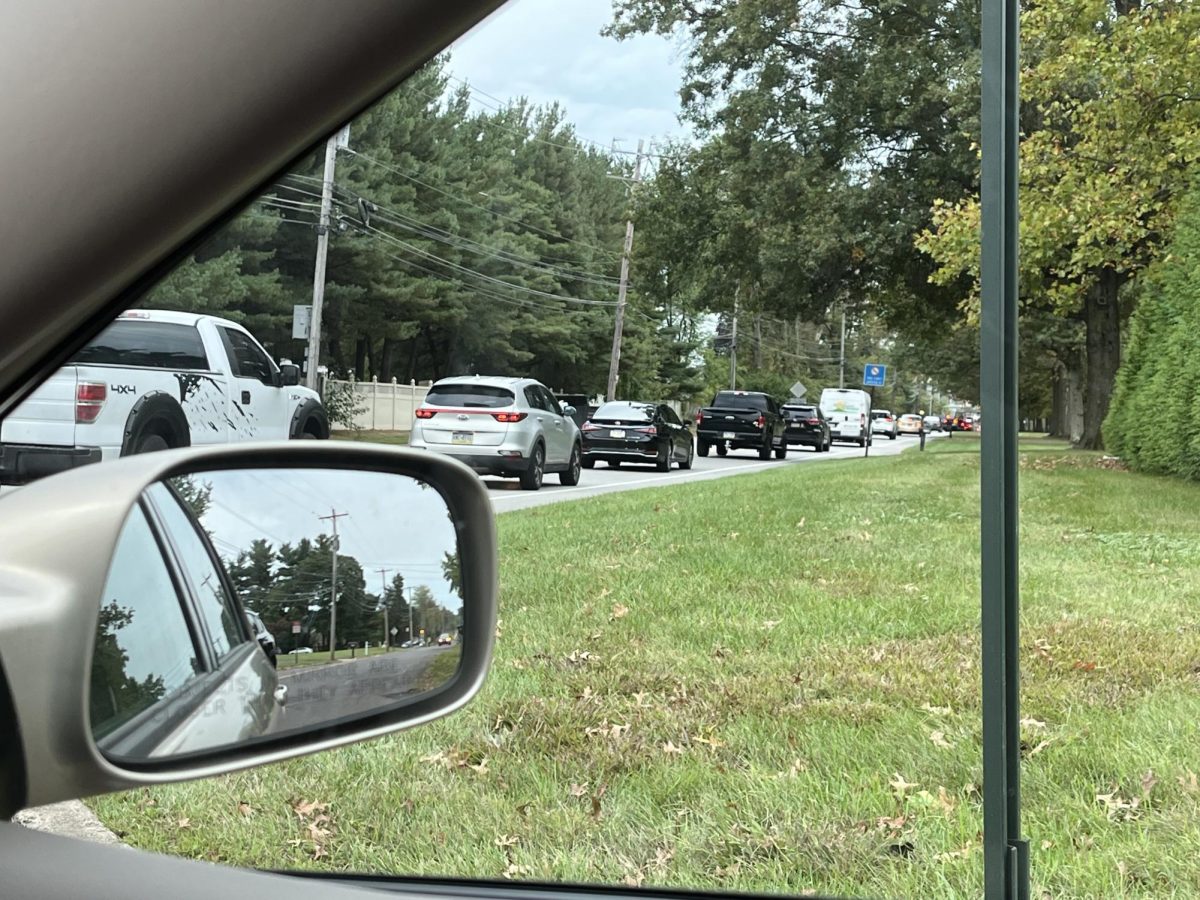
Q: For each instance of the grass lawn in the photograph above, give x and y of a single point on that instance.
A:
(771, 683)
(374, 437)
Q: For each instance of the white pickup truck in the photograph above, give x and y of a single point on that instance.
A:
(154, 380)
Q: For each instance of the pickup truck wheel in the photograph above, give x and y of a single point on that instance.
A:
(151, 443)
(570, 477)
(663, 463)
(764, 452)
(531, 478)
(310, 422)
(701, 448)
(722, 449)
(589, 463)
(781, 450)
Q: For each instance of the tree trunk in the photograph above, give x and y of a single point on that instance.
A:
(1057, 399)
(1102, 317)
(412, 359)
(360, 359)
(1073, 406)
(385, 359)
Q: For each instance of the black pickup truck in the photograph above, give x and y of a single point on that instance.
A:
(741, 420)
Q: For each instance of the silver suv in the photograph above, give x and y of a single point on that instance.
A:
(511, 427)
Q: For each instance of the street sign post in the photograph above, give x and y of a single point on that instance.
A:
(295, 628)
(874, 375)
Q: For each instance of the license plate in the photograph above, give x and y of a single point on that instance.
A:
(616, 433)
(729, 435)
(462, 437)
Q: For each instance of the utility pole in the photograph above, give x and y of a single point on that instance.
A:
(335, 142)
(333, 517)
(842, 357)
(614, 362)
(387, 638)
(733, 342)
(411, 634)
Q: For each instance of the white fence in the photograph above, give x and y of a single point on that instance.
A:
(385, 406)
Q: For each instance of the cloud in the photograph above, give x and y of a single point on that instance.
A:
(552, 50)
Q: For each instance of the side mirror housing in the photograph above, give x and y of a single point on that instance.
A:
(289, 374)
(131, 697)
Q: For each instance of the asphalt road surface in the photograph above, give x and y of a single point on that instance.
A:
(507, 495)
(318, 694)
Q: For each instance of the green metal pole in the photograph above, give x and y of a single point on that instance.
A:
(1006, 853)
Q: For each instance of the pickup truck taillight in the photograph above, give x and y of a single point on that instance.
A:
(89, 400)
(760, 421)
(699, 416)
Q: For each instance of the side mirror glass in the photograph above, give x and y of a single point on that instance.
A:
(568, 410)
(289, 374)
(349, 563)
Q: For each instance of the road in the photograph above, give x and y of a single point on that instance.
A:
(318, 694)
(507, 495)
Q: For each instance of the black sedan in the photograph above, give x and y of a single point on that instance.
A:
(635, 432)
(807, 426)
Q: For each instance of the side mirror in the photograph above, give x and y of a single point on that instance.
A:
(158, 675)
(567, 409)
(289, 374)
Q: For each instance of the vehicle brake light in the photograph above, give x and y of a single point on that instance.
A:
(590, 426)
(649, 429)
(509, 416)
(426, 413)
(760, 421)
(813, 421)
(699, 417)
(89, 400)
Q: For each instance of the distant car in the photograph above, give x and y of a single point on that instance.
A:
(303, 650)
(910, 423)
(637, 432)
(512, 427)
(265, 639)
(444, 640)
(883, 422)
(933, 423)
(807, 427)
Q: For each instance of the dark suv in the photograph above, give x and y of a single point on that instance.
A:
(807, 427)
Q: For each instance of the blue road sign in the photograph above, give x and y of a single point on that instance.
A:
(874, 375)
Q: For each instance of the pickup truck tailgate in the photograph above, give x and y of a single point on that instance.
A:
(730, 421)
(47, 416)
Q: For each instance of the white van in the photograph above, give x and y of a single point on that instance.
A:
(848, 412)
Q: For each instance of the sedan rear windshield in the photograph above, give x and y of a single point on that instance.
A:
(156, 345)
(624, 412)
(734, 400)
(485, 396)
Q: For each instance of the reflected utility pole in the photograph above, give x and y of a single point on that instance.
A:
(333, 517)
(383, 597)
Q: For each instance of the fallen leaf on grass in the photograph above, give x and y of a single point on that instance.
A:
(709, 741)
(185, 822)
(1040, 747)
(670, 748)
(1046, 845)
(800, 524)
(1149, 780)
(515, 871)
(733, 535)
(305, 808)
(900, 786)
(1082, 666)
(245, 808)
(771, 624)
(579, 790)
(506, 840)
(939, 740)
(936, 710)
(1118, 808)
(1189, 782)
(945, 801)
(961, 853)
(1032, 723)
(619, 611)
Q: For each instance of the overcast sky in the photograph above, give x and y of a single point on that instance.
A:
(393, 523)
(551, 50)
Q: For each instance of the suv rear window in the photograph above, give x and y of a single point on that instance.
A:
(482, 395)
(157, 345)
(809, 411)
(734, 400)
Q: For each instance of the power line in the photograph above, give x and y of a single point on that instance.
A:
(486, 209)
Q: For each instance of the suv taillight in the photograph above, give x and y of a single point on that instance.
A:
(89, 400)
(425, 413)
(509, 416)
